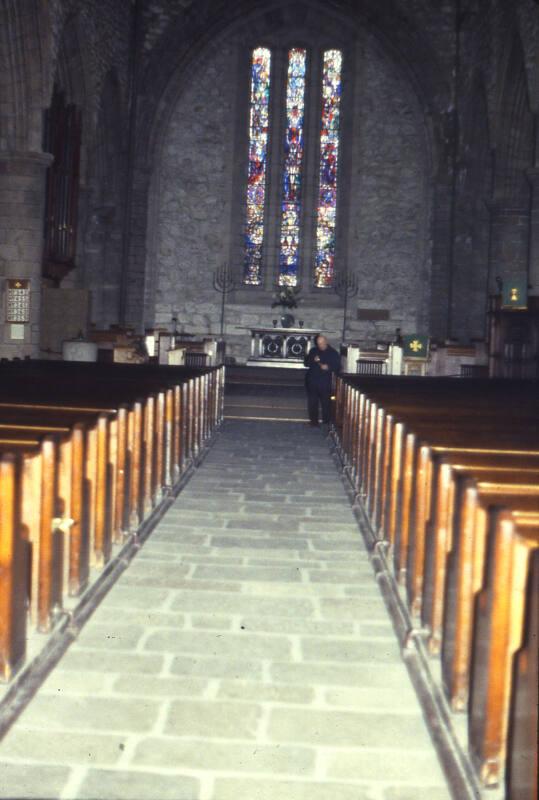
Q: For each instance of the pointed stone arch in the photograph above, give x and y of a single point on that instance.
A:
(514, 139)
(514, 153)
(474, 186)
(189, 32)
(25, 45)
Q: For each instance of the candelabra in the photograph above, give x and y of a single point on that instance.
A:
(346, 286)
(224, 283)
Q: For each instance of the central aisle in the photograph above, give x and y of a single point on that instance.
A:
(246, 653)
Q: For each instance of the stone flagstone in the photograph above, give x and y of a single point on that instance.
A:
(246, 654)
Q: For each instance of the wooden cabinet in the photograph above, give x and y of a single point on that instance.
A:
(514, 340)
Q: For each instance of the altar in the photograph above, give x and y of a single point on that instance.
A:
(281, 347)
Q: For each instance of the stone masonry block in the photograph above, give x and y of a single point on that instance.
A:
(125, 785)
(122, 637)
(224, 756)
(248, 573)
(364, 608)
(334, 729)
(264, 692)
(62, 748)
(103, 661)
(213, 719)
(31, 781)
(91, 713)
(218, 644)
(391, 764)
(416, 792)
(239, 604)
(370, 698)
(130, 597)
(229, 668)
(297, 625)
(145, 686)
(350, 675)
(62, 681)
(326, 649)
(247, 789)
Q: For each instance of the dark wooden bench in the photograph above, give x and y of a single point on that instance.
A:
(368, 441)
(87, 452)
(62, 478)
(439, 533)
(420, 530)
(466, 572)
(437, 464)
(499, 634)
(522, 767)
(13, 570)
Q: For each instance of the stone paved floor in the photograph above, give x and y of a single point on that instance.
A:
(245, 654)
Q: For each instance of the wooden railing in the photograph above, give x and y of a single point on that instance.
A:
(87, 454)
(446, 478)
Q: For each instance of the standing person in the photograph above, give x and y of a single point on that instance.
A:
(323, 362)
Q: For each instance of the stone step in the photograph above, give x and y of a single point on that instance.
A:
(269, 376)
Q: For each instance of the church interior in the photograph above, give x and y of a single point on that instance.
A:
(218, 219)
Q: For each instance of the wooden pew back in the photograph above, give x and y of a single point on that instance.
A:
(438, 465)
(82, 468)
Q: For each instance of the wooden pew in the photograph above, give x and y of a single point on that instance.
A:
(465, 574)
(131, 377)
(142, 454)
(434, 464)
(447, 466)
(156, 445)
(410, 477)
(368, 449)
(414, 469)
(499, 635)
(94, 439)
(86, 472)
(420, 531)
(53, 516)
(522, 771)
(13, 570)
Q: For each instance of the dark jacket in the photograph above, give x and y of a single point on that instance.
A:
(317, 376)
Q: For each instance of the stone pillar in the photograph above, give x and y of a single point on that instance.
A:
(22, 202)
(533, 275)
(509, 240)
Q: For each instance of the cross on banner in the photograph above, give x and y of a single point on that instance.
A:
(415, 346)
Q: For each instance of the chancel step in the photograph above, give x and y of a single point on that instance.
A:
(265, 393)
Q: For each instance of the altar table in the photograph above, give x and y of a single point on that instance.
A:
(281, 347)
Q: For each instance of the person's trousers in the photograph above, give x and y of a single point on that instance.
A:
(319, 397)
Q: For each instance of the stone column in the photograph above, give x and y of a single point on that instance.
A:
(22, 202)
(533, 275)
(509, 240)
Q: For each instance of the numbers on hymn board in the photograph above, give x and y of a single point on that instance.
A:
(18, 301)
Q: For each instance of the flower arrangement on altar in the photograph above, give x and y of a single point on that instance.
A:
(286, 297)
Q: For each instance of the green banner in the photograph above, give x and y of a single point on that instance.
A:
(415, 346)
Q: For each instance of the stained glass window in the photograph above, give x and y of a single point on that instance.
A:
(257, 174)
(292, 170)
(324, 267)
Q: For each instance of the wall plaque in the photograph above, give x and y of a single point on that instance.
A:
(18, 300)
(373, 314)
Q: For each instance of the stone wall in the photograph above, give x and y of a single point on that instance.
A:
(389, 245)
(495, 100)
(417, 143)
(79, 45)
(93, 63)
(388, 214)
(193, 188)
